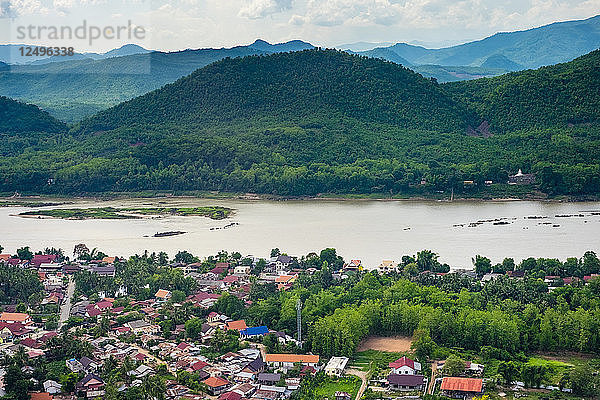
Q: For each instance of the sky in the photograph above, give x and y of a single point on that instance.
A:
(180, 24)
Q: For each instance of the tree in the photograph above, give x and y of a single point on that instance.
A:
(24, 253)
(231, 306)
(275, 252)
(454, 366)
(509, 371)
(483, 265)
(80, 251)
(178, 296)
(422, 344)
(583, 381)
(185, 257)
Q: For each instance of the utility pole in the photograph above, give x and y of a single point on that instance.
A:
(299, 320)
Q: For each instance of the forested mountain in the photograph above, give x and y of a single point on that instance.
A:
(557, 95)
(319, 121)
(533, 48)
(291, 87)
(73, 89)
(98, 81)
(16, 117)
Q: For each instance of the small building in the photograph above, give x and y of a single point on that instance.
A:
(91, 386)
(336, 366)
(268, 379)
(521, 179)
(354, 265)
(406, 382)
(254, 332)
(287, 361)
(52, 387)
(342, 396)
(405, 366)
(12, 318)
(216, 385)
(239, 325)
(163, 295)
(387, 266)
(461, 387)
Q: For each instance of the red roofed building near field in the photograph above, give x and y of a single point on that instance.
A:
(405, 366)
(461, 387)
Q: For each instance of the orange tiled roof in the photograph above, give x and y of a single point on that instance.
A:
(237, 325)
(41, 396)
(162, 293)
(292, 358)
(19, 317)
(462, 384)
(283, 278)
(215, 381)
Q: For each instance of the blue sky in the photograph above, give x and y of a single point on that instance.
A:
(180, 24)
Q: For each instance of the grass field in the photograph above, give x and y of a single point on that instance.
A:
(372, 359)
(327, 389)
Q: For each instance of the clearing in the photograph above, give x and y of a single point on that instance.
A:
(394, 344)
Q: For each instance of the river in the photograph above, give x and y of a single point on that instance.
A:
(366, 230)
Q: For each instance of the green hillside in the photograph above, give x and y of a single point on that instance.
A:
(293, 87)
(74, 89)
(17, 117)
(319, 121)
(558, 95)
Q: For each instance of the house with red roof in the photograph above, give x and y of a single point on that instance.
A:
(239, 325)
(354, 265)
(405, 366)
(461, 387)
(216, 385)
(12, 318)
(230, 396)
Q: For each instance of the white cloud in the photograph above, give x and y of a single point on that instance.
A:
(256, 9)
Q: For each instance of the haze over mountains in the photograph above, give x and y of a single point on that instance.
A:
(533, 48)
(95, 84)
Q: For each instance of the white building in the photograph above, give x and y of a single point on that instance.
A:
(336, 366)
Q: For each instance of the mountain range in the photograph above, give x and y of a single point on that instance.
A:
(533, 48)
(96, 82)
(11, 54)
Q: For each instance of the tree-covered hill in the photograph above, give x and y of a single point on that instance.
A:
(293, 87)
(17, 117)
(320, 121)
(557, 95)
(76, 88)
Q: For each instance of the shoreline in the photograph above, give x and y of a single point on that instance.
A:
(24, 199)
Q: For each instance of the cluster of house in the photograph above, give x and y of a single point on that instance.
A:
(406, 375)
(246, 374)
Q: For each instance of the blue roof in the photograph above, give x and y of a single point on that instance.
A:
(255, 331)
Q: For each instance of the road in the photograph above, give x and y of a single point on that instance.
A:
(363, 376)
(431, 386)
(65, 308)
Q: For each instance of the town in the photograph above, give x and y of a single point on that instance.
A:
(234, 327)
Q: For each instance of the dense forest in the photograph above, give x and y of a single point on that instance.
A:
(323, 121)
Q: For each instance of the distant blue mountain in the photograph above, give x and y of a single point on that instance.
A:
(294, 45)
(11, 54)
(533, 48)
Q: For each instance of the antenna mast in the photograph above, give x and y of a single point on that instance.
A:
(299, 321)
